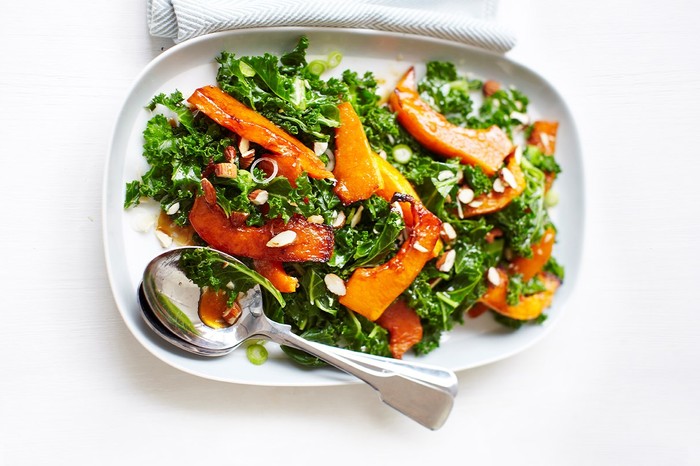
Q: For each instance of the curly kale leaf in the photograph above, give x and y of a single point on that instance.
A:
(284, 91)
(176, 149)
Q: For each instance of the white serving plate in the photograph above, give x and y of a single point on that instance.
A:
(191, 64)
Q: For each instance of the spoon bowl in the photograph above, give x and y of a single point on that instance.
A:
(169, 302)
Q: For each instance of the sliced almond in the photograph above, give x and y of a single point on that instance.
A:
(225, 170)
(509, 178)
(320, 147)
(335, 284)
(173, 209)
(338, 220)
(209, 192)
(230, 154)
(243, 145)
(498, 186)
(420, 247)
(475, 204)
(446, 261)
(465, 195)
(258, 196)
(165, 240)
(447, 232)
(285, 238)
(493, 276)
(316, 219)
(518, 154)
(232, 314)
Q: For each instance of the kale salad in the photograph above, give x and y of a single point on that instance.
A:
(375, 223)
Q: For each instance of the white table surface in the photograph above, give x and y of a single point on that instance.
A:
(617, 381)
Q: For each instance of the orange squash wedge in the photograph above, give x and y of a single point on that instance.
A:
(544, 136)
(403, 325)
(486, 148)
(528, 267)
(369, 291)
(274, 271)
(242, 120)
(356, 169)
(313, 242)
(529, 307)
(492, 201)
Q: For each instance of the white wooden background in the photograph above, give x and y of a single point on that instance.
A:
(617, 382)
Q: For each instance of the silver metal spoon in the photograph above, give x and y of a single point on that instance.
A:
(169, 301)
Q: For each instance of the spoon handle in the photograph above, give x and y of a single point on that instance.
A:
(421, 392)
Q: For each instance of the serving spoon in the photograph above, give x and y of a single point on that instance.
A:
(169, 303)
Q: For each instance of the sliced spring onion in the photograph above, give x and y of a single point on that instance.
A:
(246, 69)
(402, 153)
(334, 59)
(275, 168)
(256, 353)
(551, 198)
(317, 67)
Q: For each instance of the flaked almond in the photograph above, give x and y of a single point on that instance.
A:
(446, 261)
(238, 218)
(465, 195)
(320, 147)
(317, 219)
(447, 232)
(243, 145)
(518, 154)
(498, 185)
(230, 154)
(209, 192)
(165, 240)
(509, 178)
(357, 216)
(475, 204)
(258, 196)
(232, 313)
(382, 154)
(338, 219)
(420, 247)
(225, 170)
(335, 284)
(173, 209)
(285, 238)
(490, 87)
(493, 276)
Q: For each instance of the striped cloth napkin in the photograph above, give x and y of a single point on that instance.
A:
(467, 21)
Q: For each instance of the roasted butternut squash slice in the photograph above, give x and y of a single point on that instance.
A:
(242, 120)
(394, 182)
(312, 243)
(486, 148)
(529, 307)
(544, 136)
(369, 291)
(403, 325)
(356, 169)
(274, 271)
(528, 267)
(493, 201)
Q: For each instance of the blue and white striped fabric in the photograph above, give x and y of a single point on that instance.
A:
(467, 21)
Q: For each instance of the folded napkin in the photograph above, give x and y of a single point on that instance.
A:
(466, 21)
